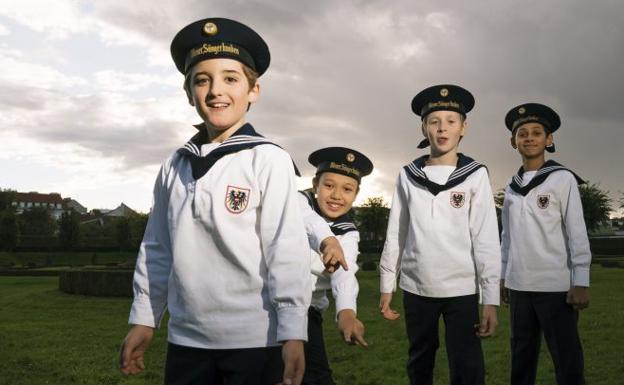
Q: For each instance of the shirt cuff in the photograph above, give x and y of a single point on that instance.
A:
(292, 323)
(143, 312)
(490, 294)
(387, 283)
(345, 302)
(322, 233)
(580, 277)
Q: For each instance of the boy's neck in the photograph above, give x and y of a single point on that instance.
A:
(219, 136)
(533, 164)
(448, 159)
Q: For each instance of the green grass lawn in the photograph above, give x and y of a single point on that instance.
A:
(64, 258)
(48, 337)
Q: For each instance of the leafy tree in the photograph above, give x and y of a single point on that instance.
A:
(122, 233)
(37, 221)
(6, 198)
(9, 230)
(137, 223)
(372, 218)
(596, 205)
(37, 228)
(69, 230)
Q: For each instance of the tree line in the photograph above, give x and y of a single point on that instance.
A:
(35, 229)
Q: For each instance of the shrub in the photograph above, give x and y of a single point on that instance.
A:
(369, 266)
(98, 283)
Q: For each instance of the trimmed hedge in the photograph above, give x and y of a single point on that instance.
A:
(28, 273)
(100, 283)
(607, 245)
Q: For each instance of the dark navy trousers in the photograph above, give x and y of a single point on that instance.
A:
(317, 370)
(194, 366)
(463, 347)
(534, 313)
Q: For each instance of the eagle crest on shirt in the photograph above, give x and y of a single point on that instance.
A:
(236, 199)
(543, 201)
(457, 199)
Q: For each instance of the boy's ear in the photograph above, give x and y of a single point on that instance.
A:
(189, 96)
(254, 93)
(315, 183)
(464, 127)
(549, 139)
(512, 140)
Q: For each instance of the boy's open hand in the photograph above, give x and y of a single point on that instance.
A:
(578, 297)
(384, 307)
(133, 348)
(294, 362)
(351, 329)
(332, 255)
(489, 321)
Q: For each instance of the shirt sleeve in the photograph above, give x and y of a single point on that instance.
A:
(505, 236)
(344, 284)
(153, 265)
(485, 242)
(284, 245)
(316, 227)
(576, 232)
(398, 220)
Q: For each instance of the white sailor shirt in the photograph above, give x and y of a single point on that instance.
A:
(544, 241)
(342, 283)
(442, 239)
(224, 251)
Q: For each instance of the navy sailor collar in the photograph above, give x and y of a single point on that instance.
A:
(464, 168)
(540, 176)
(341, 225)
(244, 138)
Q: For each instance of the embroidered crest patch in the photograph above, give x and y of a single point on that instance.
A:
(543, 201)
(457, 199)
(236, 199)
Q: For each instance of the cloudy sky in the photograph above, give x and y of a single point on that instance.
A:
(91, 103)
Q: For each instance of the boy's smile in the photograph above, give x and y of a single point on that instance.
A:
(531, 140)
(221, 94)
(335, 194)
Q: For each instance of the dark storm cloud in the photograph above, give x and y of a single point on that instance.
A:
(343, 73)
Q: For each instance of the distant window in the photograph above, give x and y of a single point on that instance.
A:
(37, 204)
(58, 205)
(29, 204)
(22, 204)
(13, 203)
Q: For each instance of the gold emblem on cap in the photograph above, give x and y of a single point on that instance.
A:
(444, 92)
(350, 157)
(210, 29)
(521, 110)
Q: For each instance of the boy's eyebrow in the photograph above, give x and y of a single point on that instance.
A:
(223, 71)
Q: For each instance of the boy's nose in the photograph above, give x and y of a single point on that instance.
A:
(216, 88)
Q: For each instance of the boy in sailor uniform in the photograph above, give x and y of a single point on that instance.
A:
(335, 187)
(545, 251)
(442, 241)
(223, 245)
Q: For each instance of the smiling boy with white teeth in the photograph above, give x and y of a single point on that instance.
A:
(442, 240)
(335, 186)
(224, 243)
